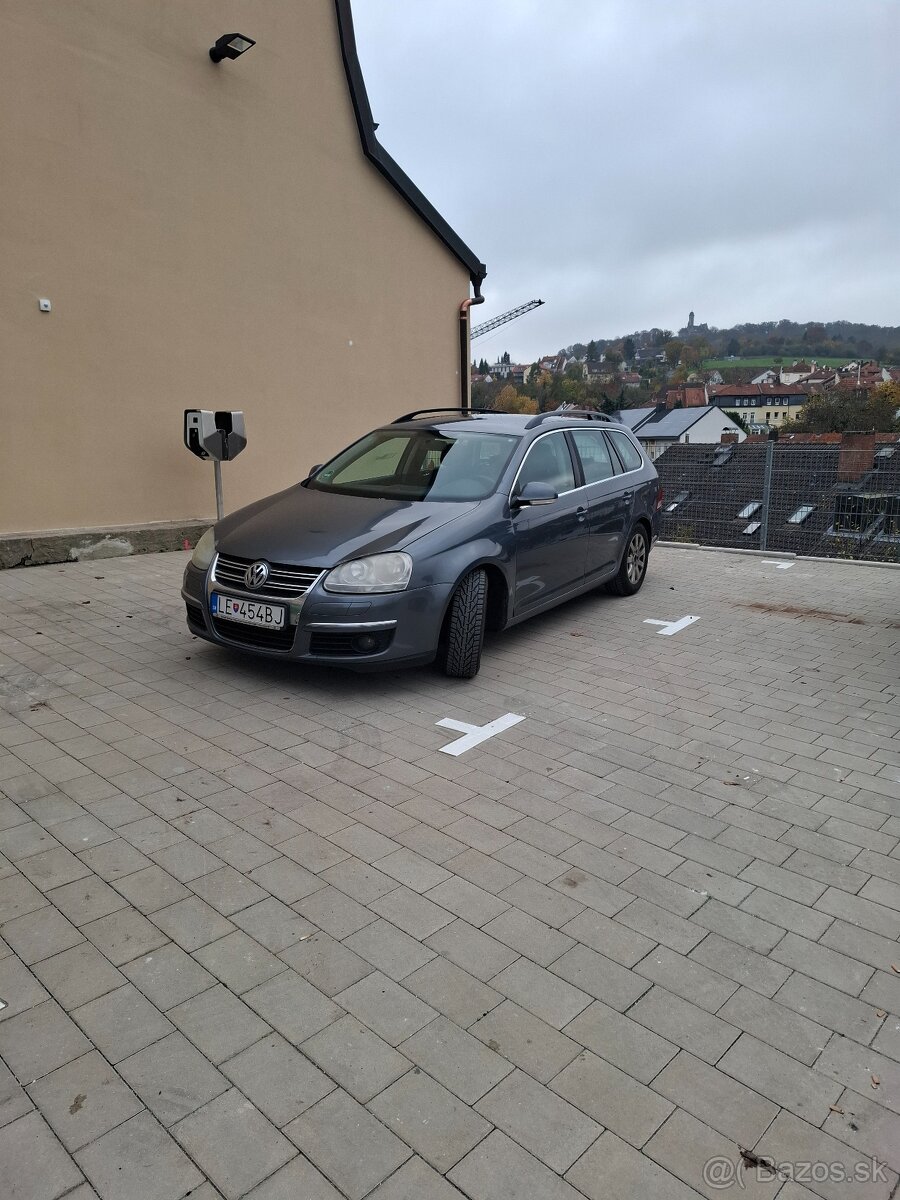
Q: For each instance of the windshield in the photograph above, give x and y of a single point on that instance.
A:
(419, 464)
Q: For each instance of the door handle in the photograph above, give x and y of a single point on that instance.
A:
(629, 495)
(581, 513)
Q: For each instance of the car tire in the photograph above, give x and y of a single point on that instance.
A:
(464, 629)
(633, 569)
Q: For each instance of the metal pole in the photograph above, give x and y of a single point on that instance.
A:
(220, 507)
(767, 494)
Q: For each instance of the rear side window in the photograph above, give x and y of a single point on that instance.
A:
(626, 450)
(549, 461)
(593, 451)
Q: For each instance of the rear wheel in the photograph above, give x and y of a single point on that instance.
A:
(633, 570)
(464, 629)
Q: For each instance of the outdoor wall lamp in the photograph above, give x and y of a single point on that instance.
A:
(230, 45)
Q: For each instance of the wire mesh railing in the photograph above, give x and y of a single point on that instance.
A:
(839, 500)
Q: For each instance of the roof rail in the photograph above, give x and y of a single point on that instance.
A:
(582, 414)
(423, 412)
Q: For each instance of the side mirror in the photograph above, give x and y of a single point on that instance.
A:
(535, 493)
(312, 470)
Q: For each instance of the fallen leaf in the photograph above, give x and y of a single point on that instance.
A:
(895, 968)
(307, 936)
(574, 633)
(880, 1012)
(876, 1082)
(834, 1108)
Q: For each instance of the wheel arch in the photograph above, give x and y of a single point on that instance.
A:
(497, 597)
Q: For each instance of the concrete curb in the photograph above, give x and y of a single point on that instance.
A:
(74, 545)
(787, 554)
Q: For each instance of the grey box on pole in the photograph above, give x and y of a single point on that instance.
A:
(219, 436)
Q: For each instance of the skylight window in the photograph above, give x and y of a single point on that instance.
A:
(750, 509)
(798, 517)
(752, 527)
(722, 455)
(678, 498)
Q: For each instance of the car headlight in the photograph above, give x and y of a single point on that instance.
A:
(377, 573)
(204, 551)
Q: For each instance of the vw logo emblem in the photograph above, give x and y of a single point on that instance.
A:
(256, 574)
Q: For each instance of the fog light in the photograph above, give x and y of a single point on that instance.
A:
(365, 643)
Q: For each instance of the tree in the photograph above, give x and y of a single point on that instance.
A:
(884, 402)
(573, 391)
(509, 400)
(733, 348)
(542, 385)
(673, 350)
(842, 409)
(628, 349)
(738, 419)
(613, 357)
(504, 357)
(592, 352)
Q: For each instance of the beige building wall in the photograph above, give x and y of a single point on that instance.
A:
(209, 237)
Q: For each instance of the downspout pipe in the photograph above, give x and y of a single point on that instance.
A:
(465, 398)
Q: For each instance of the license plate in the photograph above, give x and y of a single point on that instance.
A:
(247, 612)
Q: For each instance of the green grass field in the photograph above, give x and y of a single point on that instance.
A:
(760, 364)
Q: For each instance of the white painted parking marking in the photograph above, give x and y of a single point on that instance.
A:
(772, 562)
(670, 627)
(475, 734)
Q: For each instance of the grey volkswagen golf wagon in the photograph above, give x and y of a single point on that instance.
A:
(409, 544)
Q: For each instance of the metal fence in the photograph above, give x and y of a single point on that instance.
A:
(834, 501)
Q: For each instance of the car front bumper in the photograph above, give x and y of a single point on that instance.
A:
(360, 632)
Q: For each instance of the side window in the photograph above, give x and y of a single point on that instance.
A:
(549, 461)
(593, 451)
(626, 450)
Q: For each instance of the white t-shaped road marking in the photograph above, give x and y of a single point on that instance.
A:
(475, 734)
(670, 627)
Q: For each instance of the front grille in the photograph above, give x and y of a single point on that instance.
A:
(338, 644)
(283, 580)
(255, 636)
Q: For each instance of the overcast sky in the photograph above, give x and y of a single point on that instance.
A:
(630, 160)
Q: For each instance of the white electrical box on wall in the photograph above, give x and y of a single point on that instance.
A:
(44, 305)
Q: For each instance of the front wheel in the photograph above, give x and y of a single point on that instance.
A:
(633, 570)
(464, 629)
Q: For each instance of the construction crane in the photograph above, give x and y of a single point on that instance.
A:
(496, 322)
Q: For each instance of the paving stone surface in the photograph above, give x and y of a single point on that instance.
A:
(259, 938)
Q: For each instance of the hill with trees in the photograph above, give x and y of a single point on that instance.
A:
(634, 370)
(768, 339)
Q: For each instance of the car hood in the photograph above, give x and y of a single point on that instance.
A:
(310, 528)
